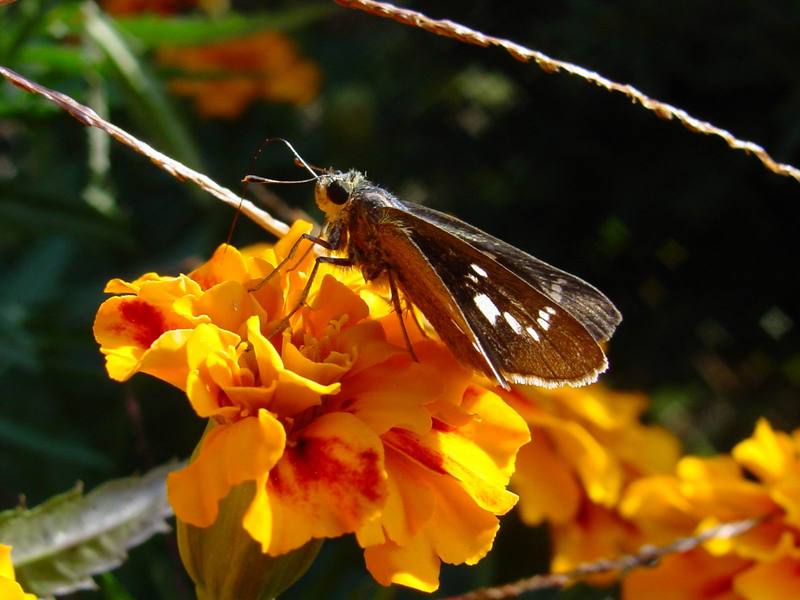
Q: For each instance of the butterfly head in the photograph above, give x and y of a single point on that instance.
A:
(334, 191)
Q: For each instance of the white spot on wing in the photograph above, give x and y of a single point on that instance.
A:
(550, 309)
(486, 306)
(472, 278)
(532, 332)
(512, 322)
(544, 314)
(543, 324)
(478, 270)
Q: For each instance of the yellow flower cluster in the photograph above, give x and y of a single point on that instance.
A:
(589, 444)
(760, 479)
(9, 588)
(226, 77)
(339, 429)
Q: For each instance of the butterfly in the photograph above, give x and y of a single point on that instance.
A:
(501, 311)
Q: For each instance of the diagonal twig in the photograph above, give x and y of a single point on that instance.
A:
(646, 556)
(87, 116)
(447, 28)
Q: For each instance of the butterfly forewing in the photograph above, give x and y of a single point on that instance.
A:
(585, 302)
(515, 329)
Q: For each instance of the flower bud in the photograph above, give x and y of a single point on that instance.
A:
(225, 563)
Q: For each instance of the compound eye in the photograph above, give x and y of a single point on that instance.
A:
(337, 192)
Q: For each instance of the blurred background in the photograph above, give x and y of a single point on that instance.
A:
(695, 243)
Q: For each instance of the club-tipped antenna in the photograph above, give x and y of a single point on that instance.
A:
(293, 151)
(257, 179)
(317, 169)
(298, 160)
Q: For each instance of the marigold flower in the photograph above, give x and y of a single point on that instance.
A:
(9, 588)
(339, 429)
(758, 480)
(589, 444)
(226, 77)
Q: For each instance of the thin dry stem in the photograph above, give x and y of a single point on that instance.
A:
(87, 116)
(646, 556)
(464, 34)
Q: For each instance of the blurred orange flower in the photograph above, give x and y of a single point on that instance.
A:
(225, 77)
(9, 588)
(162, 7)
(760, 479)
(589, 443)
(340, 430)
(132, 7)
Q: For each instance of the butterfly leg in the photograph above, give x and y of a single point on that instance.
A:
(420, 328)
(301, 301)
(398, 309)
(290, 255)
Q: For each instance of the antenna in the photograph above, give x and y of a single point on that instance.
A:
(298, 160)
(257, 179)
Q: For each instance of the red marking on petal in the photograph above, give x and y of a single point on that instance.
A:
(439, 425)
(410, 445)
(145, 320)
(314, 461)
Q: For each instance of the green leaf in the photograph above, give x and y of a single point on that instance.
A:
(155, 30)
(58, 58)
(60, 544)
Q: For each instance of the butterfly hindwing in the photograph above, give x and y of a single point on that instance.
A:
(518, 330)
(585, 302)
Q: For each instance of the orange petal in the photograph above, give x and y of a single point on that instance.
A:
(166, 359)
(391, 395)
(598, 470)
(479, 455)
(468, 464)
(283, 245)
(294, 393)
(334, 299)
(774, 580)
(321, 372)
(366, 344)
(460, 530)
(456, 531)
(414, 565)
(712, 468)
(596, 533)
(120, 286)
(330, 481)
(6, 566)
(648, 450)
(657, 505)
(410, 500)
(693, 575)
(208, 339)
(229, 455)
(227, 305)
(11, 590)
(766, 542)
(546, 485)
(786, 493)
(131, 321)
(227, 264)
(768, 453)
